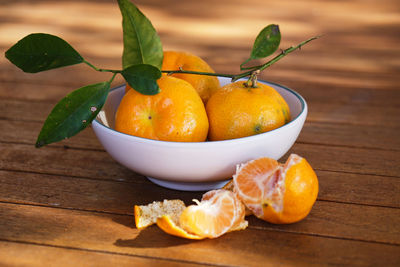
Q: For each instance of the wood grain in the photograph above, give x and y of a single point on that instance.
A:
(29, 130)
(71, 204)
(28, 254)
(114, 233)
(362, 136)
(351, 160)
(85, 163)
(39, 90)
(332, 134)
(119, 198)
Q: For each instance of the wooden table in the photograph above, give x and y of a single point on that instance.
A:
(71, 204)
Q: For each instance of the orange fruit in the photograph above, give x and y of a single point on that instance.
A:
(230, 186)
(204, 85)
(167, 224)
(219, 212)
(175, 114)
(275, 192)
(236, 111)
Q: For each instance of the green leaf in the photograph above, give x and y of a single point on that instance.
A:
(142, 45)
(266, 43)
(40, 51)
(143, 78)
(73, 113)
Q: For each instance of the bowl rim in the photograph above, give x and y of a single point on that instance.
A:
(209, 143)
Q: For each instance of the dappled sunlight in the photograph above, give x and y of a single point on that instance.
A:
(223, 32)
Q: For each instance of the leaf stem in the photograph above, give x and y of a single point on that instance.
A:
(234, 77)
(275, 59)
(112, 78)
(101, 70)
(170, 72)
(251, 70)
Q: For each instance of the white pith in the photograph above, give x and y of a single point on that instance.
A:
(212, 207)
(271, 185)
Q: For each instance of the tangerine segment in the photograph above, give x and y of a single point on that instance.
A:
(166, 224)
(240, 211)
(204, 85)
(277, 193)
(175, 114)
(253, 179)
(229, 186)
(219, 211)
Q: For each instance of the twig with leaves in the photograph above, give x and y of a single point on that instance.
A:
(141, 68)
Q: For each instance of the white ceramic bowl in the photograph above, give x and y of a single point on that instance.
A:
(201, 165)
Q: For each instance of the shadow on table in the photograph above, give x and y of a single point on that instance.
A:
(152, 237)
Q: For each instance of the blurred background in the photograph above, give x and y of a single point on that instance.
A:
(356, 63)
(364, 33)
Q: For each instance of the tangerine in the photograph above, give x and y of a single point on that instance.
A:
(177, 113)
(219, 212)
(277, 193)
(204, 85)
(236, 110)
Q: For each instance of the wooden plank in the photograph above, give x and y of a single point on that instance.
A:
(28, 132)
(312, 91)
(361, 136)
(306, 65)
(118, 197)
(367, 223)
(21, 254)
(359, 189)
(324, 92)
(25, 111)
(85, 194)
(114, 233)
(312, 80)
(318, 112)
(66, 78)
(354, 114)
(64, 161)
(358, 41)
(99, 165)
(44, 92)
(17, 90)
(349, 160)
(323, 78)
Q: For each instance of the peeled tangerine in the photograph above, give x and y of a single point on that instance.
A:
(277, 193)
(219, 212)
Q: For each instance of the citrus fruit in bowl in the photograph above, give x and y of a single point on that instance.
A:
(176, 113)
(204, 85)
(196, 166)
